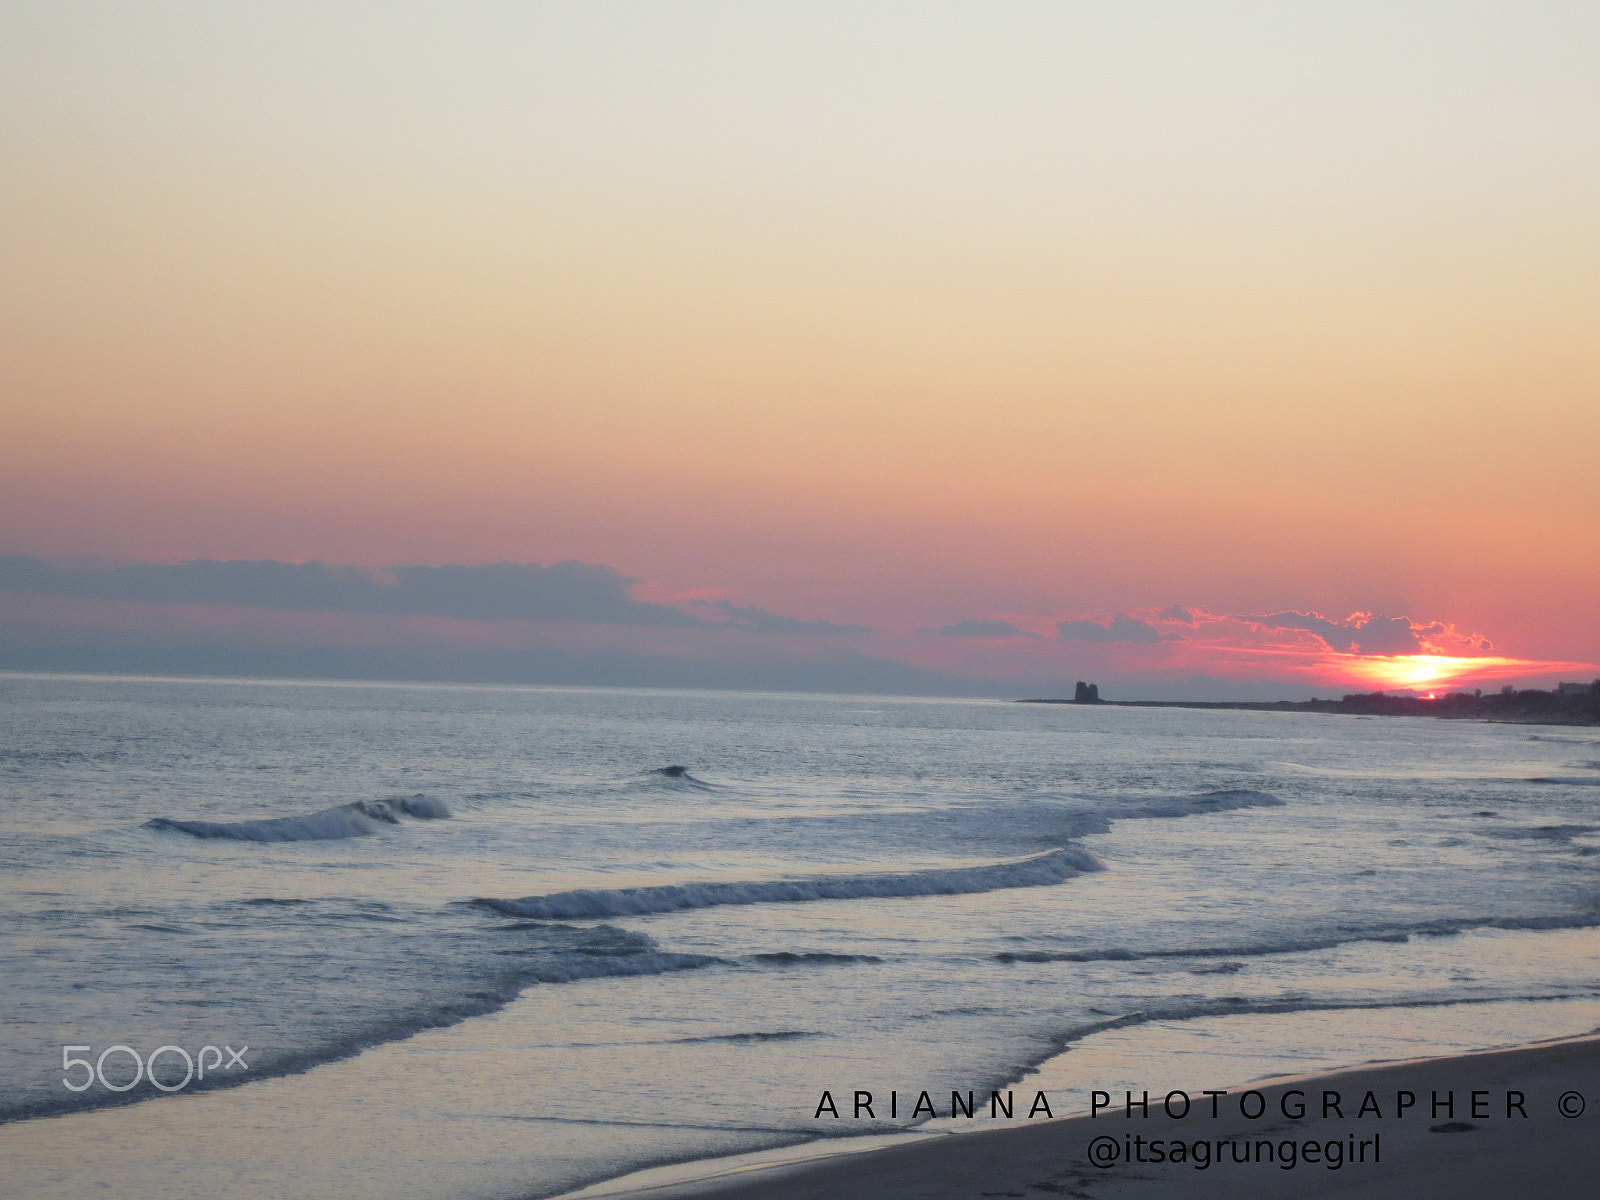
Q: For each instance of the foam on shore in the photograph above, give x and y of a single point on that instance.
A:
(1043, 870)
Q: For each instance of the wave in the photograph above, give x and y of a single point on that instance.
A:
(781, 1035)
(430, 978)
(1329, 941)
(1122, 954)
(792, 958)
(359, 818)
(677, 778)
(1570, 780)
(422, 806)
(1540, 833)
(1234, 1006)
(1043, 870)
(1225, 800)
(58, 758)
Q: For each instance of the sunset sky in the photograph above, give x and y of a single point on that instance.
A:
(1201, 350)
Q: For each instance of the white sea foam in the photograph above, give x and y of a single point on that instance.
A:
(1043, 870)
(424, 808)
(1225, 800)
(360, 818)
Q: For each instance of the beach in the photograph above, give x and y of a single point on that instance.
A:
(1474, 1147)
(622, 600)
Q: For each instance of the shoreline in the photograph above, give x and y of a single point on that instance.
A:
(1499, 1129)
(1519, 708)
(331, 1132)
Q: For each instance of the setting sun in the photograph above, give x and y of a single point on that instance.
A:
(1418, 671)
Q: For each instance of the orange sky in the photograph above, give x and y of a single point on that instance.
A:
(886, 314)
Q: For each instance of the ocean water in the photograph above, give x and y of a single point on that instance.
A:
(510, 942)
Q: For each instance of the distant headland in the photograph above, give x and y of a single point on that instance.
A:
(1566, 704)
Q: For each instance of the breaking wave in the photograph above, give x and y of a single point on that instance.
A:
(423, 807)
(1225, 800)
(677, 778)
(1232, 1006)
(1329, 941)
(359, 818)
(1540, 833)
(1043, 870)
(781, 1035)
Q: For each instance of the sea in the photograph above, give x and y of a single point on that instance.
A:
(331, 939)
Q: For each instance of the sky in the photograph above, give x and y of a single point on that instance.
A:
(1204, 351)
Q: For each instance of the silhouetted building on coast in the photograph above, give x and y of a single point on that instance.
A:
(1565, 704)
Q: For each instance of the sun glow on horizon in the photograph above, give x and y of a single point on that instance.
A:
(1415, 672)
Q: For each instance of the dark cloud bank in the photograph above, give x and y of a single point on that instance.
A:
(1368, 635)
(981, 629)
(759, 620)
(834, 672)
(1122, 628)
(570, 591)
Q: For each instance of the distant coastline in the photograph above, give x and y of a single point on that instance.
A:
(1528, 707)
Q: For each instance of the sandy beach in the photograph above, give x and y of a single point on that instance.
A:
(1499, 1130)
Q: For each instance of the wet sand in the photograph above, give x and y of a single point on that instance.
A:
(1472, 1150)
